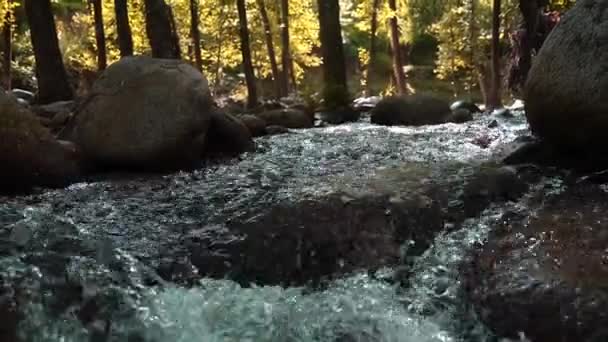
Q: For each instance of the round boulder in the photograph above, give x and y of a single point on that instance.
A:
(145, 113)
(30, 156)
(565, 94)
(415, 110)
(289, 118)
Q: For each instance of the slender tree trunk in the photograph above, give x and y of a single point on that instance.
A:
(334, 66)
(473, 36)
(220, 33)
(371, 67)
(123, 28)
(195, 34)
(495, 98)
(252, 97)
(530, 15)
(160, 29)
(286, 60)
(270, 47)
(397, 58)
(100, 36)
(7, 37)
(52, 78)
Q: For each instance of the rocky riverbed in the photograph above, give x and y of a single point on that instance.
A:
(348, 233)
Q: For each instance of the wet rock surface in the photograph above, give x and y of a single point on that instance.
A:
(544, 270)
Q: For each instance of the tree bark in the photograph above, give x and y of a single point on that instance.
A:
(195, 34)
(397, 54)
(123, 28)
(100, 36)
(50, 72)
(7, 37)
(270, 48)
(252, 97)
(371, 67)
(335, 91)
(160, 29)
(286, 60)
(494, 96)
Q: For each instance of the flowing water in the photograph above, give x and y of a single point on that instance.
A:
(98, 243)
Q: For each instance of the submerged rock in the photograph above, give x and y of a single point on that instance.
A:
(565, 98)
(144, 113)
(290, 118)
(492, 184)
(343, 230)
(414, 110)
(546, 274)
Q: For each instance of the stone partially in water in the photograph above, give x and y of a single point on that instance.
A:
(256, 125)
(144, 113)
(460, 115)
(492, 184)
(565, 93)
(227, 136)
(547, 274)
(414, 110)
(290, 118)
(470, 106)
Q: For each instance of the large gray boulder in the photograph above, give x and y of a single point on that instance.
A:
(566, 94)
(145, 113)
(414, 110)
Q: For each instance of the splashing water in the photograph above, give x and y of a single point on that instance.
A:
(109, 234)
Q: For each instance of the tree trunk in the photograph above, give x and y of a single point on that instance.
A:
(160, 29)
(7, 37)
(270, 47)
(286, 61)
(395, 46)
(50, 72)
(218, 56)
(527, 40)
(123, 28)
(494, 96)
(371, 67)
(100, 36)
(335, 92)
(252, 97)
(195, 34)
